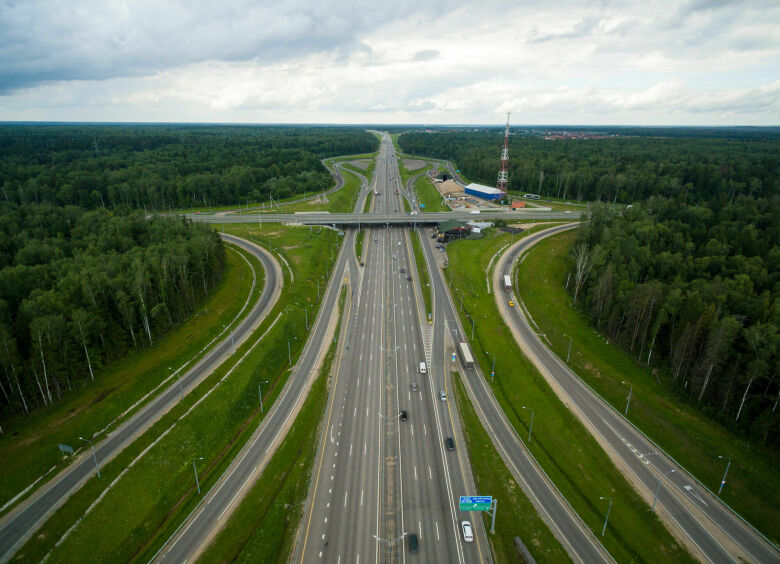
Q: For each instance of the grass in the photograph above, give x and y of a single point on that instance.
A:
(359, 240)
(563, 447)
(676, 425)
(150, 500)
(518, 517)
(428, 195)
(422, 270)
(407, 207)
(367, 205)
(263, 527)
(30, 443)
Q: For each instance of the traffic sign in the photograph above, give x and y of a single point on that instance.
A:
(476, 502)
(453, 357)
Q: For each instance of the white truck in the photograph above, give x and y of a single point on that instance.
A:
(474, 212)
(507, 283)
(465, 355)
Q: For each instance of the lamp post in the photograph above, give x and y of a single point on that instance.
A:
(531, 426)
(630, 389)
(94, 458)
(260, 393)
(658, 488)
(493, 369)
(289, 354)
(603, 530)
(723, 481)
(195, 469)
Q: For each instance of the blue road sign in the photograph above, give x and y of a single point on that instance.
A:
(476, 502)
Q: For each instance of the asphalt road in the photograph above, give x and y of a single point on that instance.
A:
(376, 476)
(718, 533)
(24, 520)
(581, 544)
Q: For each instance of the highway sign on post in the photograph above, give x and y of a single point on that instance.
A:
(453, 357)
(476, 502)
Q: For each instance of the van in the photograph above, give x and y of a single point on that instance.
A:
(423, 368)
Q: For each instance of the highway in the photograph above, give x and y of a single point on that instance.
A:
(712, 528)
(581, 544)
(378, 478)
(20, 523)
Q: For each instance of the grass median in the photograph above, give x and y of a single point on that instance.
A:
(518, 517)
(428, 195)
(422, 269)
(263, 527)
(676, 425)
(30, 443)
(148, 501)
(572, 458)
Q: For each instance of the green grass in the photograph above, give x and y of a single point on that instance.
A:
(563, 447)
(262, 529)
(30, 443)
(151, 499)
(422, 270)
(428, 194)
(407, 207)
(516, 517)
(359, 240)
(367, 205)
(677, 426)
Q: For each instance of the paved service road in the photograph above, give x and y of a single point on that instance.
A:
(378, 478)
(718, 533)
(23, 521)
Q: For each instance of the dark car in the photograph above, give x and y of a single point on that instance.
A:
(409, 278)
(413, 544)
(414, 386)
(403, 270)
(450, 442)
(403, 415)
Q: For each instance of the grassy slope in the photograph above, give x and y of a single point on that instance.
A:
(30, 443)
(428, 194)
(684, 432)
(263, 527)
(158, 491)
(422, 271)
(570, 456)
(517, 516)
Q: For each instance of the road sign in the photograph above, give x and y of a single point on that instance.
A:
(453, 357)
(65, 448)
(476, 502)
(422, 205)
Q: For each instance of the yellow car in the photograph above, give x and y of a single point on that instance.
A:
(511, 304)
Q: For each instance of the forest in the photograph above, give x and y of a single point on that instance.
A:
(159, 167)
(694, 291)
(80, 288)
(623, 169)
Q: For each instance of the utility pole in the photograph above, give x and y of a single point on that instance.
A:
(628, 401)
(603, 530)
(260, 393)
(658, 488)
(723, 481)
(195, 469)
(531, 426)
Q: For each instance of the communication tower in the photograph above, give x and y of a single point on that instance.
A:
(503, 173)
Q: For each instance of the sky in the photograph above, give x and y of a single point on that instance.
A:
(698, 62)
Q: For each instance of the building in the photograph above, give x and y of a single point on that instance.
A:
(517, 204)
(484, 192)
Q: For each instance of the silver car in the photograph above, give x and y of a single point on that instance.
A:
(443, 395)
(468, 532)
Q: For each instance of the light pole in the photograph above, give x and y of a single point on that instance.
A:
(289, 354)
(94, 458)
(603, 530)
(723, 481)
(260, 393)
(531, 426)
(630, 389)
(569, 353)
(658, 488)
(493, 369)
(306, 316)
(195, 469)
(389, 541)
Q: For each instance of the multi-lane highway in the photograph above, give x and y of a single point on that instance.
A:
(379, 477)
(23, 521)
(712, 529)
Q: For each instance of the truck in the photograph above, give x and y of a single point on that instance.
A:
(507, 283)
(465, 355)
(474, 212)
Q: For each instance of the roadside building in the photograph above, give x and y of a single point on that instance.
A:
(484, 192)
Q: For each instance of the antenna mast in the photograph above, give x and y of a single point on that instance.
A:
(503, 173)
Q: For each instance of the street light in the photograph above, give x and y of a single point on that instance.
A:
(492, 370)
(658, 488)
(289, 354)
(723, 481)
(389, 541)
(531, 426)
(260, 393)
(608, 510)
(94, 458)
(630, 389)
(195, 469)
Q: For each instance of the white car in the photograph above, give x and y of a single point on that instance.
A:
(468, 532)
(443, 395)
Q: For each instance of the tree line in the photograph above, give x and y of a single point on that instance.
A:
(622, 169)
(80, 288)
(156, 167)
(694, 291)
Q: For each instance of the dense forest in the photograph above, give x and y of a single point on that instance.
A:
(695, 291)
(623, 169)
(158, 167)
(80, 288)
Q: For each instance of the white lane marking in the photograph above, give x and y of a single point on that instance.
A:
(364, 449)
(361, 498)
(689, 489)
(350, 449)
(415, 472)
(331, 435)
(346, 494)
(419, 529)
(425, 429)
(354, 412)
(437, 530)
(430, 474)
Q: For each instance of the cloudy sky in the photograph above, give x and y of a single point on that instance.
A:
(697, 62)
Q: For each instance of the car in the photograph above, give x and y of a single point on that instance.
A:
(511, 303)
(403, 270)
(399, 243)
(567, 211)
(413, 543)
(402, 415)
(414, 386)
(450, 442)
(443, 395)
(395, 257)
(361, 263)
(409, 278)
(468, 532)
